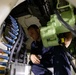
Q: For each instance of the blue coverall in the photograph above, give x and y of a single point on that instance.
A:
(51, 57)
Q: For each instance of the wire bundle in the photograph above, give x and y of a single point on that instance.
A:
(15, 42)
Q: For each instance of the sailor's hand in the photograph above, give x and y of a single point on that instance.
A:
(35, 59)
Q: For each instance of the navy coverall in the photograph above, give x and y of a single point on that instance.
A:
(51, 57)
(61, 63)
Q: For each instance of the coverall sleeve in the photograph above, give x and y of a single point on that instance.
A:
(33, 49)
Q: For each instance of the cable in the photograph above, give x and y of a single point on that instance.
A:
(12, 51)
(18, 50)
(64, 23)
